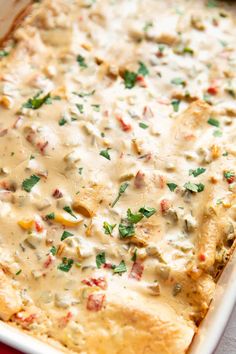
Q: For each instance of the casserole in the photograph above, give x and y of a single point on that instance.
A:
(97, 225)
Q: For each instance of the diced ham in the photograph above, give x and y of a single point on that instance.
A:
(139, 181)
(136, 271)
(165, 205)
(57, 194)
(95, 302)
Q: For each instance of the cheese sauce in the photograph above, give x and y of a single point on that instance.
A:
(117, 130)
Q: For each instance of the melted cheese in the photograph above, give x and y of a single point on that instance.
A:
(110, 108)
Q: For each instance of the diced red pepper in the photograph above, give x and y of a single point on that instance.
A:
(48, 261)
(136, 271)
(212, 90)
(95, 302)
(38, 226)
(202, 257)
(100, 281)
(126, 127)
(141, 81)
(64, 320)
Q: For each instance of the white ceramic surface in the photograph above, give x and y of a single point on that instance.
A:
(212, 327)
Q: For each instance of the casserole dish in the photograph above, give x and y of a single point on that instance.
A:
(117, 238)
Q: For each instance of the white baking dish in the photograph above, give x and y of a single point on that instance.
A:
(211, 328)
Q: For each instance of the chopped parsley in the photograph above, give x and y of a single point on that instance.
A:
(175, 104)
(66, 234)
(108, 228)
(30, 182)
(100, 259)
(69, 211)
(171, 186)
(53, 250)
(188, 50)
(142, 70)
(126, 231)
(96, 107)
(194, 187)
(121, 268)
(229, 174)
(147, 25)
(147, 211)
(130, 78)
(62, 121)
(36, 102)
(178, 81)
(85, 94)
(81, 61)
(3, 53)
(134, 257)
(105, 153)
(50, 216)
(80, 169)
(214, 122)
(19, 271)
(133, 218)
(217, 133)
(143, 125)
(211, 3)
(66, 264)
(197, 172)
(80, 107)
(122, 189)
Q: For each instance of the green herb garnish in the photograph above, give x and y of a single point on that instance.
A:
(29, 183)
(3, 53)
(69, 210)
(80, 108)
(66, 234)
(147, 211)
(19, 271)
(53, 250)
(105, 153)
(100, 259)
(62, 121)
(214, 122)
(171, 186)
(178, 81)
(217, 133)
(194, 187)
(143, 125)
(66, 264)
(142, 70)
(121, 268)
(197, 172)
(36, 102)
(126, 231)
(130, 78)
(81, 61)
(175, 104)
(134, 257)
(108, 228)
(122, 189)
(50, 216)
(133, 218)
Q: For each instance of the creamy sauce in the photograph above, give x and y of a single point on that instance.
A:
(117, 130)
